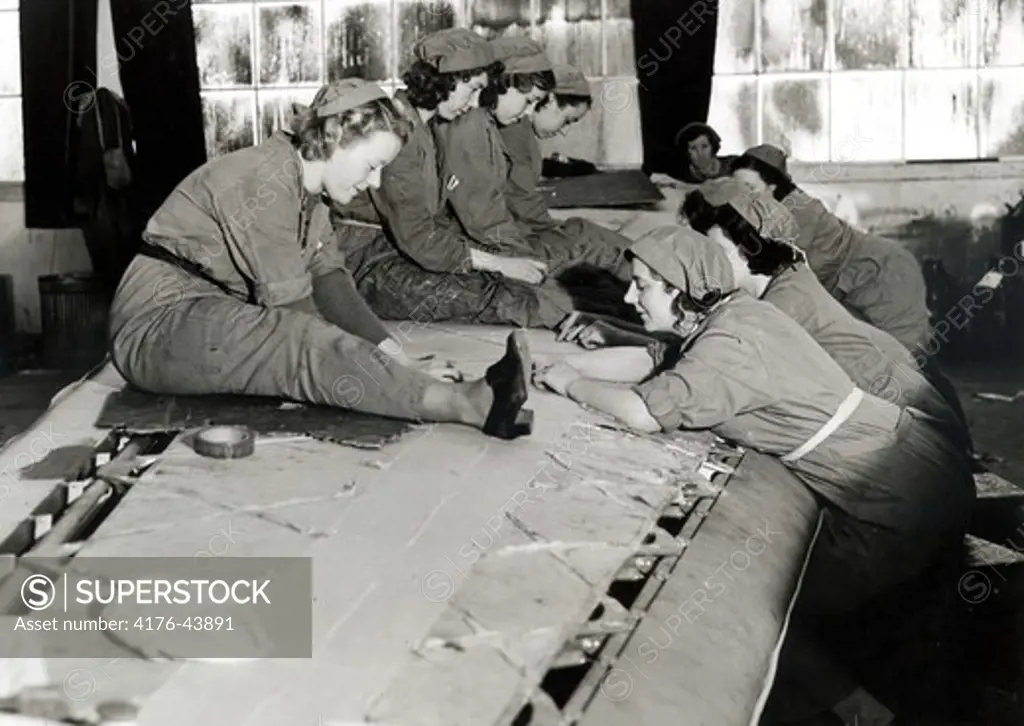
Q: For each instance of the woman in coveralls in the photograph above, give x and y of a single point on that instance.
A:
(423, 266)
(479, 166)
(895, 494)
(758, 233)
(878, 280)
(234, 291)
(568, 102)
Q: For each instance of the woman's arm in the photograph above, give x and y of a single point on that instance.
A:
(622, 404)
(619, 365)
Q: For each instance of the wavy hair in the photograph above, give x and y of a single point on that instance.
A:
(764, 256)
(316, 138)
(522, 82)
(427, 87)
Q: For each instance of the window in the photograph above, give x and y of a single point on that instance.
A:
(256, 57)
(12, 152)
(871, 80)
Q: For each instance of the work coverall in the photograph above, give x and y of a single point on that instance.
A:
(479, 166)
(878, 280)
(418, 267)
(873, 359)
(203, 311)
(895, 492)
(528, 207)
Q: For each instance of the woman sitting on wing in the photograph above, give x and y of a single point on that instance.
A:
(232, 296)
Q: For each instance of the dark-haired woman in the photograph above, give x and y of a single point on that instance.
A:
(478, 170)
(757, 234)
(893, 492)
(423, 266)
(236, 293)
(876, 279)
(880, 281)
(697, 146)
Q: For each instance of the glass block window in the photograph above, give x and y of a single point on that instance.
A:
(257, 57)
(871, 80)
(12, 151)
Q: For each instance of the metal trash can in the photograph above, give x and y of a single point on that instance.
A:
(74, 309)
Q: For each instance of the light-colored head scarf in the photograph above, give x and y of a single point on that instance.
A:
(687, 260)
(761, 210)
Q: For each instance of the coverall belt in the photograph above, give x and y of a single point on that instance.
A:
(156, 252)
(845, 410)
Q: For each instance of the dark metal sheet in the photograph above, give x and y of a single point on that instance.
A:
(630, 188)
(140, 413)
(703, 653)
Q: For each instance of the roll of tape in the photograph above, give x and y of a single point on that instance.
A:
(225, 442)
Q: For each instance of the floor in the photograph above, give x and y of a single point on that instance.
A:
(975, 678)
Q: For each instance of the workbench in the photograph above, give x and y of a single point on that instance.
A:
(703, 542)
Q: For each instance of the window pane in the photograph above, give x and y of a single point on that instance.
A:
(734, 46)
(417, 19)
(867, 117)
(229, 121)
(793, 35)
(796, 117)
(12, 150)
(276, 107)
(10, 54)
(224, 45)
(1002, 113)
(492, 18)
(358, 39)
(941, 115)
(943, 34)
(870, 34)
(733, 112)
(620, 141)
(9, 4)
(570, 31)
(1002, 28)
(618, 39)
(290, 49)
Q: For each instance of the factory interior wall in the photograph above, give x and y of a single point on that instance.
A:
(949, 211)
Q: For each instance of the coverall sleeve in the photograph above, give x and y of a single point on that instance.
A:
(719, 378)
(265, 240)
(474, 158)
(413, 227)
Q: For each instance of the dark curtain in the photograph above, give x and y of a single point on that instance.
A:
(156, 50)
(58, 57)
(675, 56)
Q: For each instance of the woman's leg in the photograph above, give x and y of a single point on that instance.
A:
(217, 344)
(579, 240)
(398, 289)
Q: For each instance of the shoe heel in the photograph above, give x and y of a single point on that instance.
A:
(524, 422)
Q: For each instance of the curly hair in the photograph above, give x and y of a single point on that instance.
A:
(316, 138)
(784, 186)
(427, 87)
(499, 83)
(565, 100)
(684, 137)
(763, 256)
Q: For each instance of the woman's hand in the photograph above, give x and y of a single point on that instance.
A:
(556, 378)
(522, 269)
(443, 370)
(586, 335)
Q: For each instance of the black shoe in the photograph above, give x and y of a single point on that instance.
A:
(509, 381)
